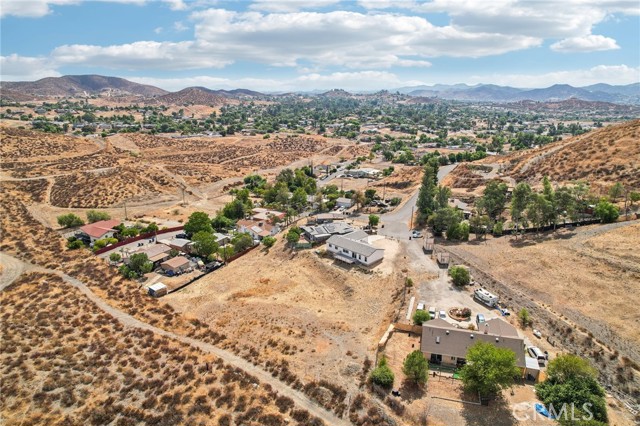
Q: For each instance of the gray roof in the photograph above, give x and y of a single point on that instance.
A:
(353, 245)
(177, 242)
(457, 342)
(328, 229)
(155, 250)
(344, 200)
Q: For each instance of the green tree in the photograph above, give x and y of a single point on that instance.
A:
(572, 382)
(416, 367)
(115, 257)
(241, 242)
(225, 252)
(634, 197)
(198, 221)
(616, 191)
(204, 243)
(480, 225)
(565, 203)
(460, 276)
(96, 216)
(519, 202)
(550, 212)
(130, 232)
(568, 366)
(421, 316)
(293, 235)
(358, 199)
(69, 220)
(606, 212)
(253, 182)
(140, 264)
(221, 223)
(382, 374)
(524, 317)
(268, 241)
(234, 210)
(425, 203)
(442, 195)
(445, 219)
(537, 210)
(75, 244)
(299, 199)
(374, 220)
(489, 369)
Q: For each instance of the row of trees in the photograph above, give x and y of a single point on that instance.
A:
(71, 220)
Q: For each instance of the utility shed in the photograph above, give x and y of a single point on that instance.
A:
(157, 290)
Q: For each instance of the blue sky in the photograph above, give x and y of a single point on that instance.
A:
(273, 45)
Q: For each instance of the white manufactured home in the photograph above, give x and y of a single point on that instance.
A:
(354, 248)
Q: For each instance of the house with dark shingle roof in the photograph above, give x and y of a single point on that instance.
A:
(443, 343)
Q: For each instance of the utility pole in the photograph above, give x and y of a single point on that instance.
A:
(125, 210)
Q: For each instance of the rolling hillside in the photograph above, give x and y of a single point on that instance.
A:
(79, 85)
(193, 95)
(601, 157)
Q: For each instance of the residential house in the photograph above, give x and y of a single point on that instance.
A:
(365, 173)
(326, 217)
(180, 244)
(156, 253)
(260, 213)
(98, 230)
(221, 239)
(323, 232)
(443, 343)
(257, 228)
(344, 202)
(354, 248)
(176, 264)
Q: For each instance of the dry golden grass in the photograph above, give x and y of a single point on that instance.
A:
(26, 146)
(602, 158)
(65, 362)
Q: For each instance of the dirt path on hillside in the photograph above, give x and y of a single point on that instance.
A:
(12, 268)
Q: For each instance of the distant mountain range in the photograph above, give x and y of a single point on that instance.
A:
(628, 94)
(87, 85)
(81, 85)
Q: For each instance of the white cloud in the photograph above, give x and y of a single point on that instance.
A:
(354, 81)
(141, 55)
(40, 8)
(158, 30)
(589, 43)
(180, 26)
(290, 5)
(611, 74)
(14, 67)
(348, 39)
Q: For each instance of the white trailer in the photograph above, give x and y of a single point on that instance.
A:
(485, 297)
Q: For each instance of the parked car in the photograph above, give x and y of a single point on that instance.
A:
(432, 312)
(421, 305)
(184, 236)
(442, 315)
(479, 320)
(212, 266)
(537, 333)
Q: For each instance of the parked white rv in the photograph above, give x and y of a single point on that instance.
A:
(485, 297)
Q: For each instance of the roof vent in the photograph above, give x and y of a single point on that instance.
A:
(447, 332)
(437, 339)
(497, 339)
(471, 335)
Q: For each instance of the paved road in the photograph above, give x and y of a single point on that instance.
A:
(300, 399)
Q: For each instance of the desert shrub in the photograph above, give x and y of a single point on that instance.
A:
(524, 317)
(74, 245)
(96, 216)
(382, 374)
(606, 212)
(421, 316)
(460, 276)
(268, 241)
(69, 220)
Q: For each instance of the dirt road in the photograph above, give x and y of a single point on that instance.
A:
(13, 268)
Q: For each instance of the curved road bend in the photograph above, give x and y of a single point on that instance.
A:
(12, 268)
